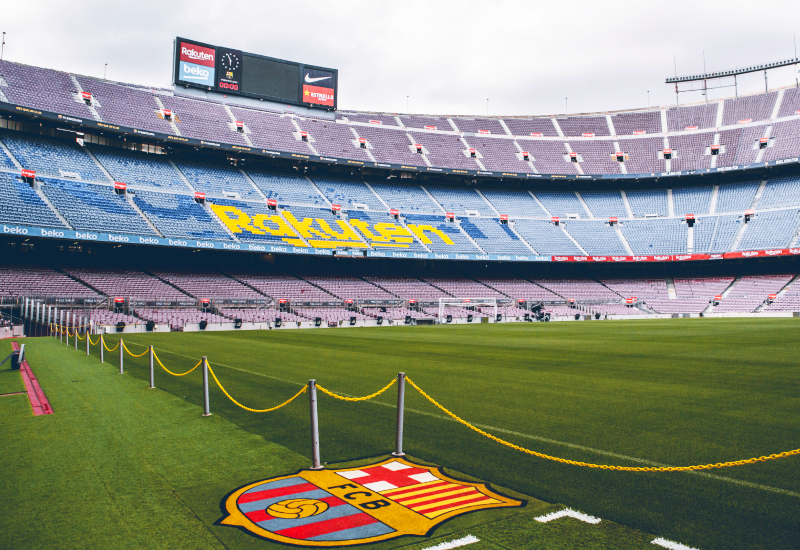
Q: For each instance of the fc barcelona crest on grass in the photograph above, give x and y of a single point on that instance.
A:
(357, 505)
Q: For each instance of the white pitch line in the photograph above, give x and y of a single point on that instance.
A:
(602, 452)
(469, 539)
(568, 513)
(672, 545)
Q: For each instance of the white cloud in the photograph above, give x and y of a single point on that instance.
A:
(448, 56)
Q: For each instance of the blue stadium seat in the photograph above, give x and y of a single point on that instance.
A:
(179, 216)
(20, 204)
(54, 157)
(493, 237)
(218, 180)
(90, 207)
(139, 170)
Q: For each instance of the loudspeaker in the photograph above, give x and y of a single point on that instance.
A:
(380, 320)
(527, 317)
(120, 326)
(469, 318)
(278, 322)
(203, 324)
(317, 321)
(352, 321)
(150, 326)
(408, 319)
(499, 318)
(596, 315)
(237, 323)
(577, 316)
(449, 318)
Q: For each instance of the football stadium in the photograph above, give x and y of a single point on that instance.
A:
(236, 314)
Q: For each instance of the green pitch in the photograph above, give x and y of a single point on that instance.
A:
(118, 464)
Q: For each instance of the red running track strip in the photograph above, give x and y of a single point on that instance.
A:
(36, 395)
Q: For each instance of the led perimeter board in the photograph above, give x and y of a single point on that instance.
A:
(234, 72)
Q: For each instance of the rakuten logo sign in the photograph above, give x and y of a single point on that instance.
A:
(198, 55)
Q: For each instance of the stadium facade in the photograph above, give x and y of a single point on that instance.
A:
(93, 165)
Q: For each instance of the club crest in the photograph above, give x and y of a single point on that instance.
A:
(356, 505)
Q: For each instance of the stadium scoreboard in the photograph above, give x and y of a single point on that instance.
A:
(229, 71)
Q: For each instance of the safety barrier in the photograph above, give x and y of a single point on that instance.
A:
(401, 379)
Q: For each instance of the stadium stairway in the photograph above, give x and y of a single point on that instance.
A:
(38, 190)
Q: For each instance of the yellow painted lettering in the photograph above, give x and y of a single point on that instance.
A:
(419, 231)
(237, 224)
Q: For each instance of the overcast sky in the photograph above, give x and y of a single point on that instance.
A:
(449, 57)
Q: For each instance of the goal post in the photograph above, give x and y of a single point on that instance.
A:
(467, 302)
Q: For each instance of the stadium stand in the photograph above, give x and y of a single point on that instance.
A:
(406, 198)
(438, 225)
(578, 125)
(752, 108)
(42, 89)
(597, 238)
(546, 238)
(217, 180)
(287, 188)
(515, 204)
(348, 193)
(780, 193)
(562, 204)
(692, 200)
(693, 116)
(627, 124)
(19, 203)
(21, 281)
(770, 230)
(332, 139)
(529, 126)
(179, 216)
(92, 207)
(604, 204)
(139, 170)
(202, 120)
(647, 238)
(271, 131)
(461, 201)
(648, 202)
(736, 197)
(52, 157)
(493, 237)
(127, 284)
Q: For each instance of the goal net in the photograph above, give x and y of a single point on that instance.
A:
(466, 303)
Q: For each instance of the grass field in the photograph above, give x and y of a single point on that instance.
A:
(673, 392)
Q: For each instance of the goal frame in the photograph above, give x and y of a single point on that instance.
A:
(461, 302)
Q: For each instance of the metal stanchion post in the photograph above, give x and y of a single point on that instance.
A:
(312, 396)
(87, 344)
(61, 327)
(67, 329)
(207, 410)
(121, 351)
(152, 384)
(401, 404)
(102, 348)
(76, 336)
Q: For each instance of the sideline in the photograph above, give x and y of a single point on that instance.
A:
(602, 452)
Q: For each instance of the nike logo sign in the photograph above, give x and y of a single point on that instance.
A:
(311, 80)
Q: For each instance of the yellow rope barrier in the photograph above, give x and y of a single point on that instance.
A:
(129, 351)
(169, 371)
(604, 466)
(94, 343)
(366, 398)
(108, 348)
(295, 396)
